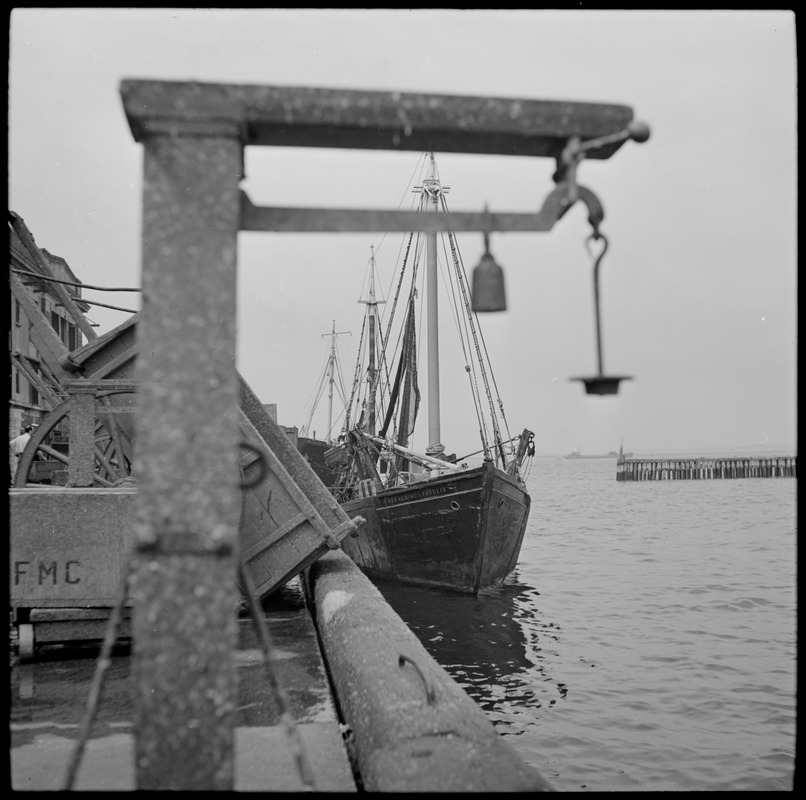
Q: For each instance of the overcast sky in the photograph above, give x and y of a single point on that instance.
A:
(699, 282)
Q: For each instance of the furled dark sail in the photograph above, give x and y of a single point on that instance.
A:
(405, 392)
(410, 401)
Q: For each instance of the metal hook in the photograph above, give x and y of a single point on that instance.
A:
(599, 384)
(597, 260)
(430, 697)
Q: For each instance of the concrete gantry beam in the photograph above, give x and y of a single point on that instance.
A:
(338, 118)
(294, 116)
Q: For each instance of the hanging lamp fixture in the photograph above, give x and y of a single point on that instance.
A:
(600, 384)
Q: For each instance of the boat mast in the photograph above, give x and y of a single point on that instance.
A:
(329, 376)
(432, 188)
(372, 312)
(331, 363)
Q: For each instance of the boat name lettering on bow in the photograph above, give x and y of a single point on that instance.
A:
(425, 492)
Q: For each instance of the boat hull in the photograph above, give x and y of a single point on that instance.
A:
(314, 452)
(461, 531)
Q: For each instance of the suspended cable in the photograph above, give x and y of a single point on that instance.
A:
(106, 305)
(69, 283)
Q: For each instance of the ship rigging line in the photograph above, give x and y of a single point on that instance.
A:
(485, 449)
(482, 346)
(462, 324)
(475, 334)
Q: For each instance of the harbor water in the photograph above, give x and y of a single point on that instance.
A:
(646, 640)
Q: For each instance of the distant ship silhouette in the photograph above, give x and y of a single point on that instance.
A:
(610, 454)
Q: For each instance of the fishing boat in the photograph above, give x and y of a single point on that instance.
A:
(431, 519)
(312, 447)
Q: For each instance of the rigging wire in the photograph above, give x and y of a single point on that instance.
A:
(309, 400)
(413, 295)
(471, 323)
(355, 398)
(486, 354)
(416, 239)
(466, 322)
(317, 396)
(418, 165)
(376, 390)
(338, 385)
(460, 321)
(476, 333)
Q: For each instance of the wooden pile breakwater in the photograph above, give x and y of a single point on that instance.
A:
(672, 469)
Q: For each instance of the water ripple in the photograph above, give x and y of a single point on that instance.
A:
(647, 639)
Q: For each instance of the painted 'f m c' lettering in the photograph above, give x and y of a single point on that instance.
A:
(46, 570)
(20, 571)
(68, 577)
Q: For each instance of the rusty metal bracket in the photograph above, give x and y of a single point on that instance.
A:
(566, 193)
(570, 158)
(576, 149)
(594, 206)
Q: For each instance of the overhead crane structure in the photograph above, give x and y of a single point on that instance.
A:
(267, 116)
(193, 136)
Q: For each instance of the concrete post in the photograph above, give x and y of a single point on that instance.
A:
(184, 592)
(82, 436)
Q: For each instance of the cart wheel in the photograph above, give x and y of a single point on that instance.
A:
(113, 442)
(25, 632)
